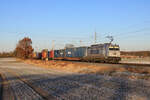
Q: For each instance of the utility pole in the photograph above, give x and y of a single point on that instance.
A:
(95, 37)
(80, 42)
(53, 45)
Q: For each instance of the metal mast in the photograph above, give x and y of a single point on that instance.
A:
(95, 37)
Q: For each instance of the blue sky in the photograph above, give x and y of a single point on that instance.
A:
(69, 21)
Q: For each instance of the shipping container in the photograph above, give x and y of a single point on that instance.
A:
(80, 52)
(76, 53)
(69, 52)
(59, 54)
(51, 54)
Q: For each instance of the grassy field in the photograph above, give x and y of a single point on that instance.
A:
(95, 68)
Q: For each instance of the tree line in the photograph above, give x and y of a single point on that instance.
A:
(7, 54)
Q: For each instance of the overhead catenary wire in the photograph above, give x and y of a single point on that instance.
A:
(87, 40)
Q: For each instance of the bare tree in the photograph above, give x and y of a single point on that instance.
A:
(24, 48)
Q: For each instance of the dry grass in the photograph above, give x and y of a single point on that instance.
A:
(75, 67)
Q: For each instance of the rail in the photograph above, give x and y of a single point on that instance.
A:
(135, 64)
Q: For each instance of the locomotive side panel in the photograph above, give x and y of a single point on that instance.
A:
(95, 53)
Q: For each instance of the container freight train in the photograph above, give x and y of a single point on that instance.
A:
(107, 53)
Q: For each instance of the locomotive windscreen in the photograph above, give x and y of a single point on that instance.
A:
(113, 48)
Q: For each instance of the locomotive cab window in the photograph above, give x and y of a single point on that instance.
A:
(113, 48)
(117, 49)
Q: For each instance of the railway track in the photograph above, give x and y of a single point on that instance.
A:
(129, 64)
(6, 93)
(135, 64)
